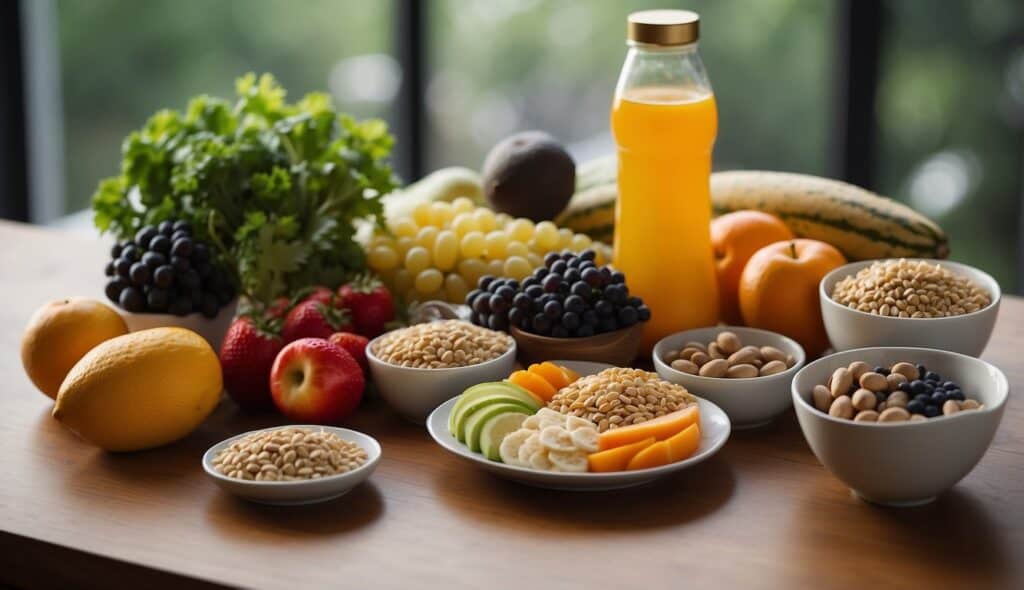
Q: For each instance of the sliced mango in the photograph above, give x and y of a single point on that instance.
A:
(551, 373)
(533, 383)
(654, 455)
(659, 428)
(571, 375)
(616, 459)
(684, 444)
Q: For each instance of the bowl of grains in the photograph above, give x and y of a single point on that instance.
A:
(417, 368)
(909, 302)
(746, 371)
(292, 465)
(899, 425)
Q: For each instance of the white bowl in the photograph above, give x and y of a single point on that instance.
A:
(749, 402)
(212, 329)
(714, 431)
(903, 463)
(414, 393)
(849, 328)
(296, 493)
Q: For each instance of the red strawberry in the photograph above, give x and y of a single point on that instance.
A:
(321, 294)
(371, 304)
(279, 308)
(355, 345)
(313, 319)
(246, 357)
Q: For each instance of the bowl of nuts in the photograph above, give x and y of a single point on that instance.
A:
(899, 425)
(745, 371)
(292, 465)
(418, 368)
(909, 302)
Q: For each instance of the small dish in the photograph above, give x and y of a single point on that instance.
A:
(714, 425)
(212, 329)
(414, 393)
(748, 402)
(617, 348)
(903, 463)
(850, 328)
(297, 493)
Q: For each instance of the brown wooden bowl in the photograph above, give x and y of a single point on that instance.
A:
(615, 348)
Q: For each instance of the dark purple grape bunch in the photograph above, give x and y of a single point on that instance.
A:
(569, 297)
(166, 270)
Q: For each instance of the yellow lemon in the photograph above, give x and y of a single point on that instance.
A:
(141, 390)
(60, 333)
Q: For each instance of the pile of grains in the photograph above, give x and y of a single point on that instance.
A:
(910, 289)
(441, 345)
(288, 454)
(618, 397)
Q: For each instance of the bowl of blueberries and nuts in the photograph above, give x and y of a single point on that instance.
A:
(899, 425)
(167, 277)
(570, 308)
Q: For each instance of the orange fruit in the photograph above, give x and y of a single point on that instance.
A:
(616, 459)
(779, 290)
(735, 237)
(60, 333)
(551, 373)
(533, 383)
(659, 429)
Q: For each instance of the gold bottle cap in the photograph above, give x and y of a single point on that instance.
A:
(663, 27)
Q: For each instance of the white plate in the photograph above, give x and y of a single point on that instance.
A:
(296, 493)
(714, 429)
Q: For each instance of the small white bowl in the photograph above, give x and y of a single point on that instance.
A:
(903, 463)
(212, 329)
(749, 402)
(849, 328)
(414, 393)
(297, 493)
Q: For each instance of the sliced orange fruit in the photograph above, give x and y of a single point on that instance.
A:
(683, 444)
(616, 459)
(533, 383)
(551, 373)
(654, 455)
(659, 428)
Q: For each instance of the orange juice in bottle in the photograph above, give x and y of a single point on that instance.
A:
(664, 121)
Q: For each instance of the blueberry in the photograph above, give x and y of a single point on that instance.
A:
(182, 225)
(592, 276)
(115, 250)
(131, 300)
(182, 247)
(921, 371)
(499, 305)
(574, 264)
(526, 324)
(939, 397)
(604, 308)
(588, 264)
(180, 235)
(581, 289)
(529, 282)
(616, 293)
(498, 322)
(929, 387)
(506, 292)
(924, 398)
(140, 274)
(190, 278)
(559, 267)
(948, 385)
(572, 275)
(932, 376)
(114, 288)
(482, 304)
(881, 371)
(181, 305)
(551, 258)
(584, 331)
(881, 396)
(552, 282)
(471, 296)
(588, 255)
(161, 244)
(606, 275)
(917, 386)
(553, 309)
(496, 284)
(628, 316)
(180, 263)
(547, 297)
(575, 304)
(163, 276)
(534, 291)
(957, 395)
(618, 278)
(905, 387)
(540, 272)
(154, 260)
(932, 410)
(474, 318)
(634, 301)
(200, 253)
(209, 306)
(131, 253)
(110, 270)
(559, 331)
(915, 407)
(589, 318)
(541, 324)
(145, 235)
(515, 315)
(571, 320)
(166, 228)
(568, 255)
(157, 299)
(485, 319)
(607, 325)
(484, 282)
(643, 313)
(522, 301)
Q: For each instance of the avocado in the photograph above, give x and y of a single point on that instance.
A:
(488, 388)
(476, 422)
(530, 175)
(494, 432)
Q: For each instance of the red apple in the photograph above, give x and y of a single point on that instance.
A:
(316, 381)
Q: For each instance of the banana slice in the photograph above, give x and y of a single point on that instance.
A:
(531, 423)
(585, 439)
(540, 461)
(509, 449)
(557, 438)
(572, 462)
(549, 417)
(530, 446)
(574, 422)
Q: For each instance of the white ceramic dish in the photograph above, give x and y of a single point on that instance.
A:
(414, 393)
(296, 493)
(904, 463)
(714, 426)
(849, 328)
(212, 329)
(748, 402)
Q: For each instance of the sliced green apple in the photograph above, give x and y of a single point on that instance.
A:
(495, 430)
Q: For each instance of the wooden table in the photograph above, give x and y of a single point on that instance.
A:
(761, 514)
